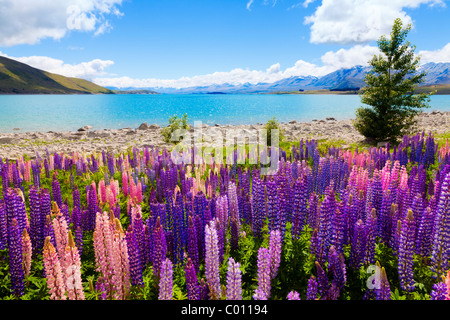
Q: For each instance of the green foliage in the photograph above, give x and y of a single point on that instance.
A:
(390, 89)
(273, 124)
(175, 123)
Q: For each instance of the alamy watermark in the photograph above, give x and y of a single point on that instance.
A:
(213, 145)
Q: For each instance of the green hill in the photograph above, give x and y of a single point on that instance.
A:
(20, 78)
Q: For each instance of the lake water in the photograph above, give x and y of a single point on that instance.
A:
(70, 112)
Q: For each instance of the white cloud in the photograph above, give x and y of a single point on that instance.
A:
(27, 22)
(358, 21)
(84, 70)
(235, 76)
(440, 55)
(347, 58)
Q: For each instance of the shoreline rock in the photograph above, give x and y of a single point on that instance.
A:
(16, 144)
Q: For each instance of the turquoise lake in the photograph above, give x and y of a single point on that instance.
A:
(70, 112)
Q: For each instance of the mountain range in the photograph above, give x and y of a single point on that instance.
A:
(347, 79)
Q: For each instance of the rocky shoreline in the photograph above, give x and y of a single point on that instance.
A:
(85, 140)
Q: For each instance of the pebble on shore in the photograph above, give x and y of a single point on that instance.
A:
(16, 144)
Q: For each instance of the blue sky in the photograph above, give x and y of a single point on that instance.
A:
(184, 43)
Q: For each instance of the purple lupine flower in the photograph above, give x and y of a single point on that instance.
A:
(159, 248)
(204, 290)
(272, 205)
(440, 255)
(234, 280)
(258, 206)
(274, 252)
(406, 251)
(79, 239)
(358, 247)
(56, 191)
(212, 260)
(293, 295)
(299, 206)
(192, 246)
(439, 291)
(192, 287)
(384, 220)
(336, 266)
(384, 292)
(323, 282)
(15, 259)
(313, 202)
(166, 281)
(264, 279)
(3, 229)
(314, 243)
(35, 220)
(371, 234)
(312, 291)
(234, 215)
(134, 258)
(425, 233)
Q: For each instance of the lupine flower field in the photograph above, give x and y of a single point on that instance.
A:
(331, 224)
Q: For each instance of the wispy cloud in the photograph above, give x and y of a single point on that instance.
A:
(249, 4)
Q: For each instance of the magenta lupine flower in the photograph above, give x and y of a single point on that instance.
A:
(234, 280)
(405, 252)
(53, 272)
(166, 281)
(212, 260)
(274, 252)
(293, 295)
(72, 272)
(192, 286)
(313, 289)
(26, 252)
(264, 279)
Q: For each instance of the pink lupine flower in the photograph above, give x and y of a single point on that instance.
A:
(103, 248)
(125, 184)
(121, 262)
(26, 252)
(60, 230)
(166, 281)
(53, 272)
(72, 270)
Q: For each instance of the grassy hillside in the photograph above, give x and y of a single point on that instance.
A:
(20, 78)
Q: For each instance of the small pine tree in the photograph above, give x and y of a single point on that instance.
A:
(390, 89)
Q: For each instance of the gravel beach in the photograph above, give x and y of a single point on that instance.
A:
(86, 140)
